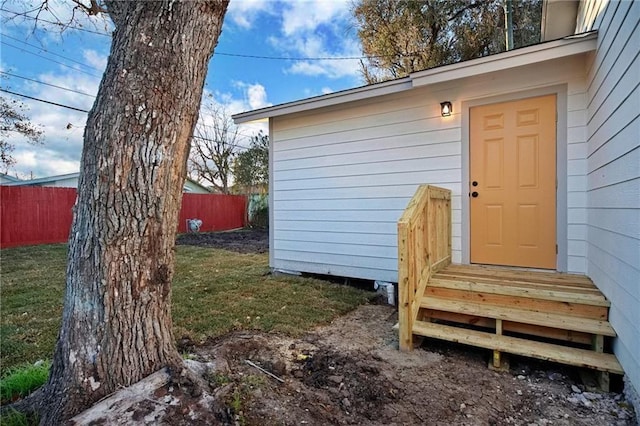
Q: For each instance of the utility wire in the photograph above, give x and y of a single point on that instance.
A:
(287, 58)
(237, 145)
(47, 84)
(82, 110)
(54, 23)
(42, 100)
(49, 59)
(237, 55)
(50, 53)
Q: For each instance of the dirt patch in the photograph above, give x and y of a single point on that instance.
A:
(248, 240)
(351, 372)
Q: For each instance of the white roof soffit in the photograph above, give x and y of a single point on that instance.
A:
(569, 46)
(330, 99)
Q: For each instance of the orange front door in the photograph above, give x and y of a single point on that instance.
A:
(513, 183)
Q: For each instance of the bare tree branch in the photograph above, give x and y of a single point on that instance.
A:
(93, 9)
(13, 119)
(213, 148)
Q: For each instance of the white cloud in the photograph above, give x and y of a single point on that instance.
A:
(62, 146)
(253, 96)
(63, 128)
(319, 29)
(249, 96)
(321, 46)
(308, 68)
(42, 163)
(257, 96)
(306, 16)
(305, 28)
(95, 59)
(244, 12)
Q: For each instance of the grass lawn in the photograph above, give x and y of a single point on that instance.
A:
(214, 291)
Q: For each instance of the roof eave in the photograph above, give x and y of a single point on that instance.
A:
(45, 179)
(562, 48)
(566, 47)
(359, 93)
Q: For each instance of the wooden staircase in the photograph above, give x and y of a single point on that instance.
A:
(551, 316)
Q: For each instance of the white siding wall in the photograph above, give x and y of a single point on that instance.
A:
(570, 72)
(576, 177)
(71, 182)
(343, 175)
(613, 173)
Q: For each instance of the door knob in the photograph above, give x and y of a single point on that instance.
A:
(474, 194)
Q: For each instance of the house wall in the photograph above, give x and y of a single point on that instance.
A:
(194, 188)
(71, 182)
(343, 175)
(613, 170)
(7, 179)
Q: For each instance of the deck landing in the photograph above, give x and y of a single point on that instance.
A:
(551, 316)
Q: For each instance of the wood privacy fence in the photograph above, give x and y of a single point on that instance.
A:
(424, 247)
(42, 215)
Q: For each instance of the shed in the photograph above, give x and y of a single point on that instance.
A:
(559, 119)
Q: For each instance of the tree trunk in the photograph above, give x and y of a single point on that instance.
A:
(116, 325)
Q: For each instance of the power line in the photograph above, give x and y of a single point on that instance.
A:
(50, 53)
(47, 84)
(229, 144)
(49, 59)
(54, 23)
(237, 55)
(286, 58)
(42, 100)
(82, 110)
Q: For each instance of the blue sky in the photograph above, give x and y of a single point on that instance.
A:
(75, 60)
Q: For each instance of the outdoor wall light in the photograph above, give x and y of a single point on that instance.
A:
(446, 109)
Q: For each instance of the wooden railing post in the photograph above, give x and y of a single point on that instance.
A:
(405, 317)
(424, 246)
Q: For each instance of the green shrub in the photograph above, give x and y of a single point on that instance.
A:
(260, 218)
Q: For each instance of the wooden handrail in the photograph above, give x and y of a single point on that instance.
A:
(424, 247)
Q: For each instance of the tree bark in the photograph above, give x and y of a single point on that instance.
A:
(116, 325)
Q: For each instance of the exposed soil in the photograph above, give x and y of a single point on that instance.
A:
(254, 240)
(351, 372)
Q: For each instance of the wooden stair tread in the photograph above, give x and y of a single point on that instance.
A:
(552, 294)
(597, 327)
(518, 346)
(523, 275)
(510, 281)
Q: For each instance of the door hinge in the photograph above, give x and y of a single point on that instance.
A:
(556, 249)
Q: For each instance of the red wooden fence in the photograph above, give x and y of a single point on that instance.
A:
(42, 215)
(217, 212)
(35, 215)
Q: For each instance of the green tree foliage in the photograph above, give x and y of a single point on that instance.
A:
(14, 122)
(251, 167)
(403, 36)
